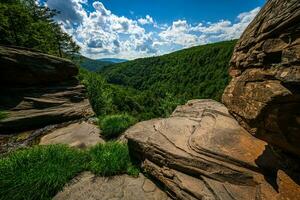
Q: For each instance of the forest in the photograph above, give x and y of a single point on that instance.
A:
(152, 87)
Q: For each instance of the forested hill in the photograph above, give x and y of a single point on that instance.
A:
(197, 72)
(90, 64)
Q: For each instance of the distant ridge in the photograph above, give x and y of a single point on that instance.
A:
(90, 64)
(196, 72)
(113, 60)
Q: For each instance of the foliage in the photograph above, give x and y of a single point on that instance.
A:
(113, 125)
(109, 99)
(110, 159)
(98, 92)
(197, 72)
(24, 23)
(3, 115)
(38, 172)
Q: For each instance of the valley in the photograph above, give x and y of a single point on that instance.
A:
(215, 121)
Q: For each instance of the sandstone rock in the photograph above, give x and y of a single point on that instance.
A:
(201, 152)
(80, 134)
(35, 107)
(21, 66)
(90, 187)
(38, 90)
(264, 94)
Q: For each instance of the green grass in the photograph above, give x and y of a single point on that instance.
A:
(40, 172)
(110, 159)
(113, 125)
(3, 115)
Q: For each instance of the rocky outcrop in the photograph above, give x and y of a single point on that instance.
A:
(264, 94)
(38, 90)
(201, 152)
(122, 187)
(21, 66)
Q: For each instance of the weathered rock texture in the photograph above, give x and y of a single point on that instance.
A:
(201, 152)
(90, 187)
(264, 94)
(37, 90)
(80, 134)
(19, 66)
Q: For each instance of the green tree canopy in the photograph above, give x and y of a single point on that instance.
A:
(24, 23)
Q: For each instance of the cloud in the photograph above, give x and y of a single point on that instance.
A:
(224, 29)
(99, 7)
(184, 34)
(101, 33)
(70, 10)
(147, 20)
(179, 34)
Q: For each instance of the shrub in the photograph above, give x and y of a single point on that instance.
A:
(39, 172)
(110, 159)
(98, 92)
(3, 115)
(114, 125)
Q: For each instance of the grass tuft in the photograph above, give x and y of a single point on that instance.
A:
(39, 172)
(111, 158)
(113, 125)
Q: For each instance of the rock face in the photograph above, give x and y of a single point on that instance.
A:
(21, 66)
(88, 186)
(37, 90)
(201, 152)
(264, 94)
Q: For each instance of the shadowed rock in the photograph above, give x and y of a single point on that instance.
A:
(38, 90)
(264, 94)
(21, 66)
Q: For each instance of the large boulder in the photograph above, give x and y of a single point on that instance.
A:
(21, 66)
(201, 152)
(38, 90)
(264, 94)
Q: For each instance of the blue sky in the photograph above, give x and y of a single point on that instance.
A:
(140, 28)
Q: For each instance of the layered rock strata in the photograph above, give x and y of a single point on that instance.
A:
(264, 94)
(38, 90)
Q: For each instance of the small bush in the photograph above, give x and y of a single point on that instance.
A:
(114, 125)
(3, 115)
(110, 159)
(39, 172)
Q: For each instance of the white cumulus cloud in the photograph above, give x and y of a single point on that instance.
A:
(147, 20)
(101, 33)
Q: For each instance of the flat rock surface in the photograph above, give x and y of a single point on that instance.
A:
(90, 187)
(201, 151)
(80, 134)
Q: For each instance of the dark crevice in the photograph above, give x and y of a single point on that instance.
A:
(273, 58)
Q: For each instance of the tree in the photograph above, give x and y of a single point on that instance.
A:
(24, 23)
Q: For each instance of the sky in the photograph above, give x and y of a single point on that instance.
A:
(132, 29)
